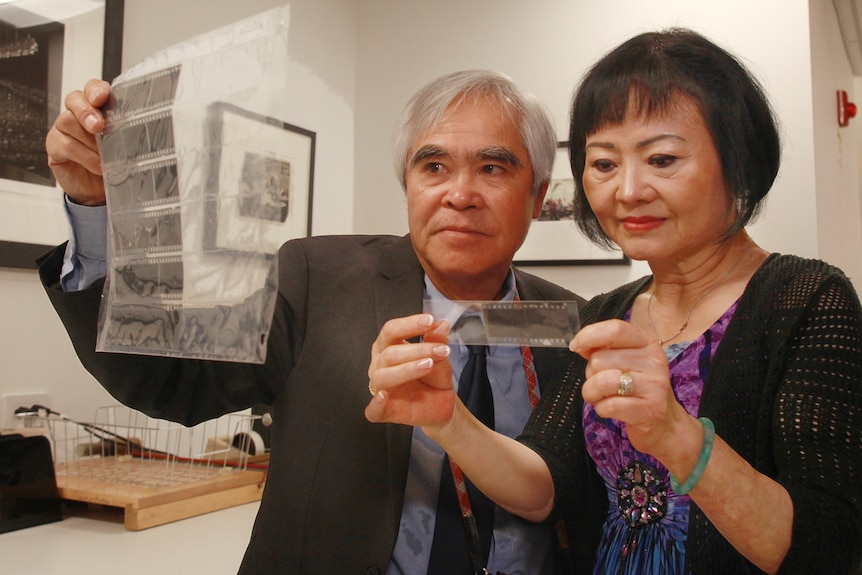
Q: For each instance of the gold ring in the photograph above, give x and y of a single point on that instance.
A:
(626, 384)
(371, 389)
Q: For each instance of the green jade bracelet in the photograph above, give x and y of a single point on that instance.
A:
(705, 452)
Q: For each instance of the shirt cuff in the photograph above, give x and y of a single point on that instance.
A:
(86, 252)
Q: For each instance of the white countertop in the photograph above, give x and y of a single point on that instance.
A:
(92, 541)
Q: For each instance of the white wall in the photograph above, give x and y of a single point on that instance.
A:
(836, 150)
(546, 47)
(322, 46)
(35, 352)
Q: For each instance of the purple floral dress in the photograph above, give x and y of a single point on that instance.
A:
(646, 526)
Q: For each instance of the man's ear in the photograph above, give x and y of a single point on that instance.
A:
(540, 199)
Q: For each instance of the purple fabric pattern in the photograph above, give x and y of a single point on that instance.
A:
(658, 546)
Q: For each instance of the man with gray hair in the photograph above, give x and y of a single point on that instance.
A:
(474, 154)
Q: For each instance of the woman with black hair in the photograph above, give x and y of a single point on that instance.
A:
(710, 420)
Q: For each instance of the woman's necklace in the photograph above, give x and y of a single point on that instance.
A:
(684, 325)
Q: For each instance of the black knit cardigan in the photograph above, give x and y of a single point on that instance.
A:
(784, 390)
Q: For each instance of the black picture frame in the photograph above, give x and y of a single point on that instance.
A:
(21, 255)
(283, 152)
(554, 238)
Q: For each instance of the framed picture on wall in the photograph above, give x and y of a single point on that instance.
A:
(261, 176)
(554, 238)
(46, 50)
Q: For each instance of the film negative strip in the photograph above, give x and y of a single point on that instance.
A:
(159, 278)
(147, 233)
(510, 323)
(138, 140)
(533, 323)
(143, 95)
(143, 185)
(219, 332)
(138, 328)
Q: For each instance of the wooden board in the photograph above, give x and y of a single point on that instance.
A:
(152, 493)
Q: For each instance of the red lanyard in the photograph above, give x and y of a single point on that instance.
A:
(458, 475)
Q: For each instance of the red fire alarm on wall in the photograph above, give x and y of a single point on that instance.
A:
(846, 110)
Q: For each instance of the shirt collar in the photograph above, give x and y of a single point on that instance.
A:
(432, 293)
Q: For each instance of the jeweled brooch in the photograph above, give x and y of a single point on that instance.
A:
(641, 494)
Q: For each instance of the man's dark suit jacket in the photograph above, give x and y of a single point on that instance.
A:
(335, 488)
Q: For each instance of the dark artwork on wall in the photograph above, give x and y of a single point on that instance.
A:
(31, 92)
(31, 69)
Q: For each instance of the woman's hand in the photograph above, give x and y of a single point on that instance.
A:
(654, 419)
(411, 382)
(751, 510)
(73, 154)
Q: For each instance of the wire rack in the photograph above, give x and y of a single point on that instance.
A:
(148, 466)
(121, 445)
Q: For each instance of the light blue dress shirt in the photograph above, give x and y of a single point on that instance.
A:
(84, 261)
(517, 547)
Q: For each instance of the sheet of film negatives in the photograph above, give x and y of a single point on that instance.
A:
(532, 323)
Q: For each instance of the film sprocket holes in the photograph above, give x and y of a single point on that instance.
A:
(149, 278)
(514, 323)
(147, 233)
(137, 140)
(139, 96)
(144, 185)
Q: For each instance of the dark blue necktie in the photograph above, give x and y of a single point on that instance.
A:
(450, 553)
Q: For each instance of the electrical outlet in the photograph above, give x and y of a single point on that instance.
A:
(9, 402)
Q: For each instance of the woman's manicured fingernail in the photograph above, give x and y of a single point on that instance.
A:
(442, 351)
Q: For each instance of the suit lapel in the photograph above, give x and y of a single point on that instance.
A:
(398, 286)
(398, 283)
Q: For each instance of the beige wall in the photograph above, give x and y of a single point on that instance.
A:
(546, 49)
